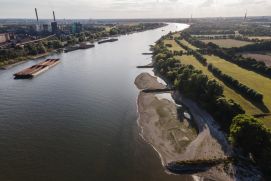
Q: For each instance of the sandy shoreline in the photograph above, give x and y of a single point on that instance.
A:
(175, 139)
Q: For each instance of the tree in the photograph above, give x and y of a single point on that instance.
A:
(253, 137)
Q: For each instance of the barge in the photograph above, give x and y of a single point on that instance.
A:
(86, 45)
(37, 69)
(78, 47)
(108, 40)
(72, 48)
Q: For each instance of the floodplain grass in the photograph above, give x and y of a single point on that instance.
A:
(175, 46)
(228, 92)
(228, 43)
(249, 78)
(266, 121)
(184, 42)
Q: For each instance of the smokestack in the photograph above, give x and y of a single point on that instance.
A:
(245, 16)
(37, 15)
(54, 15)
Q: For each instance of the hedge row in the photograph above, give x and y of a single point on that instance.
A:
(236, 85)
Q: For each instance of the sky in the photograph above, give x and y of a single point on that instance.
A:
(100, 9)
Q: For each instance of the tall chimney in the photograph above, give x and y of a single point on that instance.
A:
(37, 15)
(54, 15)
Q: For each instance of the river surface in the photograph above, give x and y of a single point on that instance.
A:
(78, 121)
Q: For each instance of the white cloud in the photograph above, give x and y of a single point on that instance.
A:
(132, 8)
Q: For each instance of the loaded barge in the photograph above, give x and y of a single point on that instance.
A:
(108, 40)
(78, 47)
(37, 69)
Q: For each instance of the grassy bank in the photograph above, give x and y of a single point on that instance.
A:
(246, 77)
(228, 92)
(249, 78)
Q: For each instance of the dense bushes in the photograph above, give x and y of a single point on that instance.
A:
(254, 138)
(236, 85)
(182, 45)
(200, 58)
(194, 84)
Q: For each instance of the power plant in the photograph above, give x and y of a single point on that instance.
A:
(51, 27)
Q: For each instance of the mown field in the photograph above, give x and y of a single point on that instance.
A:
(259, 57)
(175, 46)
(228, 43)
(248, 78)
(184, 42)
(228, 92)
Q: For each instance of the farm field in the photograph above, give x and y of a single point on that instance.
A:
(228, 92)
(175, 46)
(259, 37)
(228, 43)
(259, 57)
(248, 78)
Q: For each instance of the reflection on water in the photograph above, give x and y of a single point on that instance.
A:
(78, 120)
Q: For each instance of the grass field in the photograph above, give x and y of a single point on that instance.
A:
(228, 92)
(175, 46)
(248, 78)
(184, 42)
(228, 43)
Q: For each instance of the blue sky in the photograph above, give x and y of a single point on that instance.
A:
(133, 8)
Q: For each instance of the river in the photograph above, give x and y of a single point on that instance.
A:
(78, 121)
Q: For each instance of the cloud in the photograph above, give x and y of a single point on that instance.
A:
(207, 3)
(132, 8)
(247, 3)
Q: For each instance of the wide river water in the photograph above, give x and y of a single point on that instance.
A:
(78, 121)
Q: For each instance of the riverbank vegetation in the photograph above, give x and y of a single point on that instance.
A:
(211, 83)
(21, 52)
(249, 72)
(194, 84)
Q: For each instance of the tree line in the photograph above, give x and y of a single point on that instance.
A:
(27, 50)
(245, 132)
(247, 63)
(236, 85)
(230, 54)
(196, 54)
(194, 84)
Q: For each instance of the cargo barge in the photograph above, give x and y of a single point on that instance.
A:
(78, 47)
(37, 69)
(108, 40)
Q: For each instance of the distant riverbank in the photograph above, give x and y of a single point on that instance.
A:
(8, 63)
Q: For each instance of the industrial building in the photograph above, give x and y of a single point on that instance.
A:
(4, 37)
(77, 28)
(51, 27)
